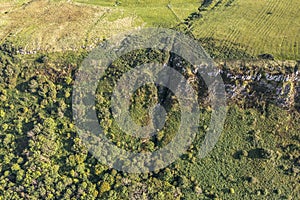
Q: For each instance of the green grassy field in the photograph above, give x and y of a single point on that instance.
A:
(57, 26)
(70, 25)
(166, 13)
(256, 26)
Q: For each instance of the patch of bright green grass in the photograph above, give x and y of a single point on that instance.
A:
(154, 13)
(257, 26)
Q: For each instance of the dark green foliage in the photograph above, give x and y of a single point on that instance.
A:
(42, 156)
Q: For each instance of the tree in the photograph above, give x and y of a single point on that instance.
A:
(105, 187)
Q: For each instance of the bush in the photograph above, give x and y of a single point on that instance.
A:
(2, 114)
(105, 187)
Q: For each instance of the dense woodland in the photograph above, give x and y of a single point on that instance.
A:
(42, 156)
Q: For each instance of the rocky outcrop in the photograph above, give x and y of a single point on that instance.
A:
(258, 83)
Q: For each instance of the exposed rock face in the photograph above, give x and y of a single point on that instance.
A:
(257, 83)
(263, 82)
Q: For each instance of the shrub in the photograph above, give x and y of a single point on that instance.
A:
(2, 114)
(105, 187)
